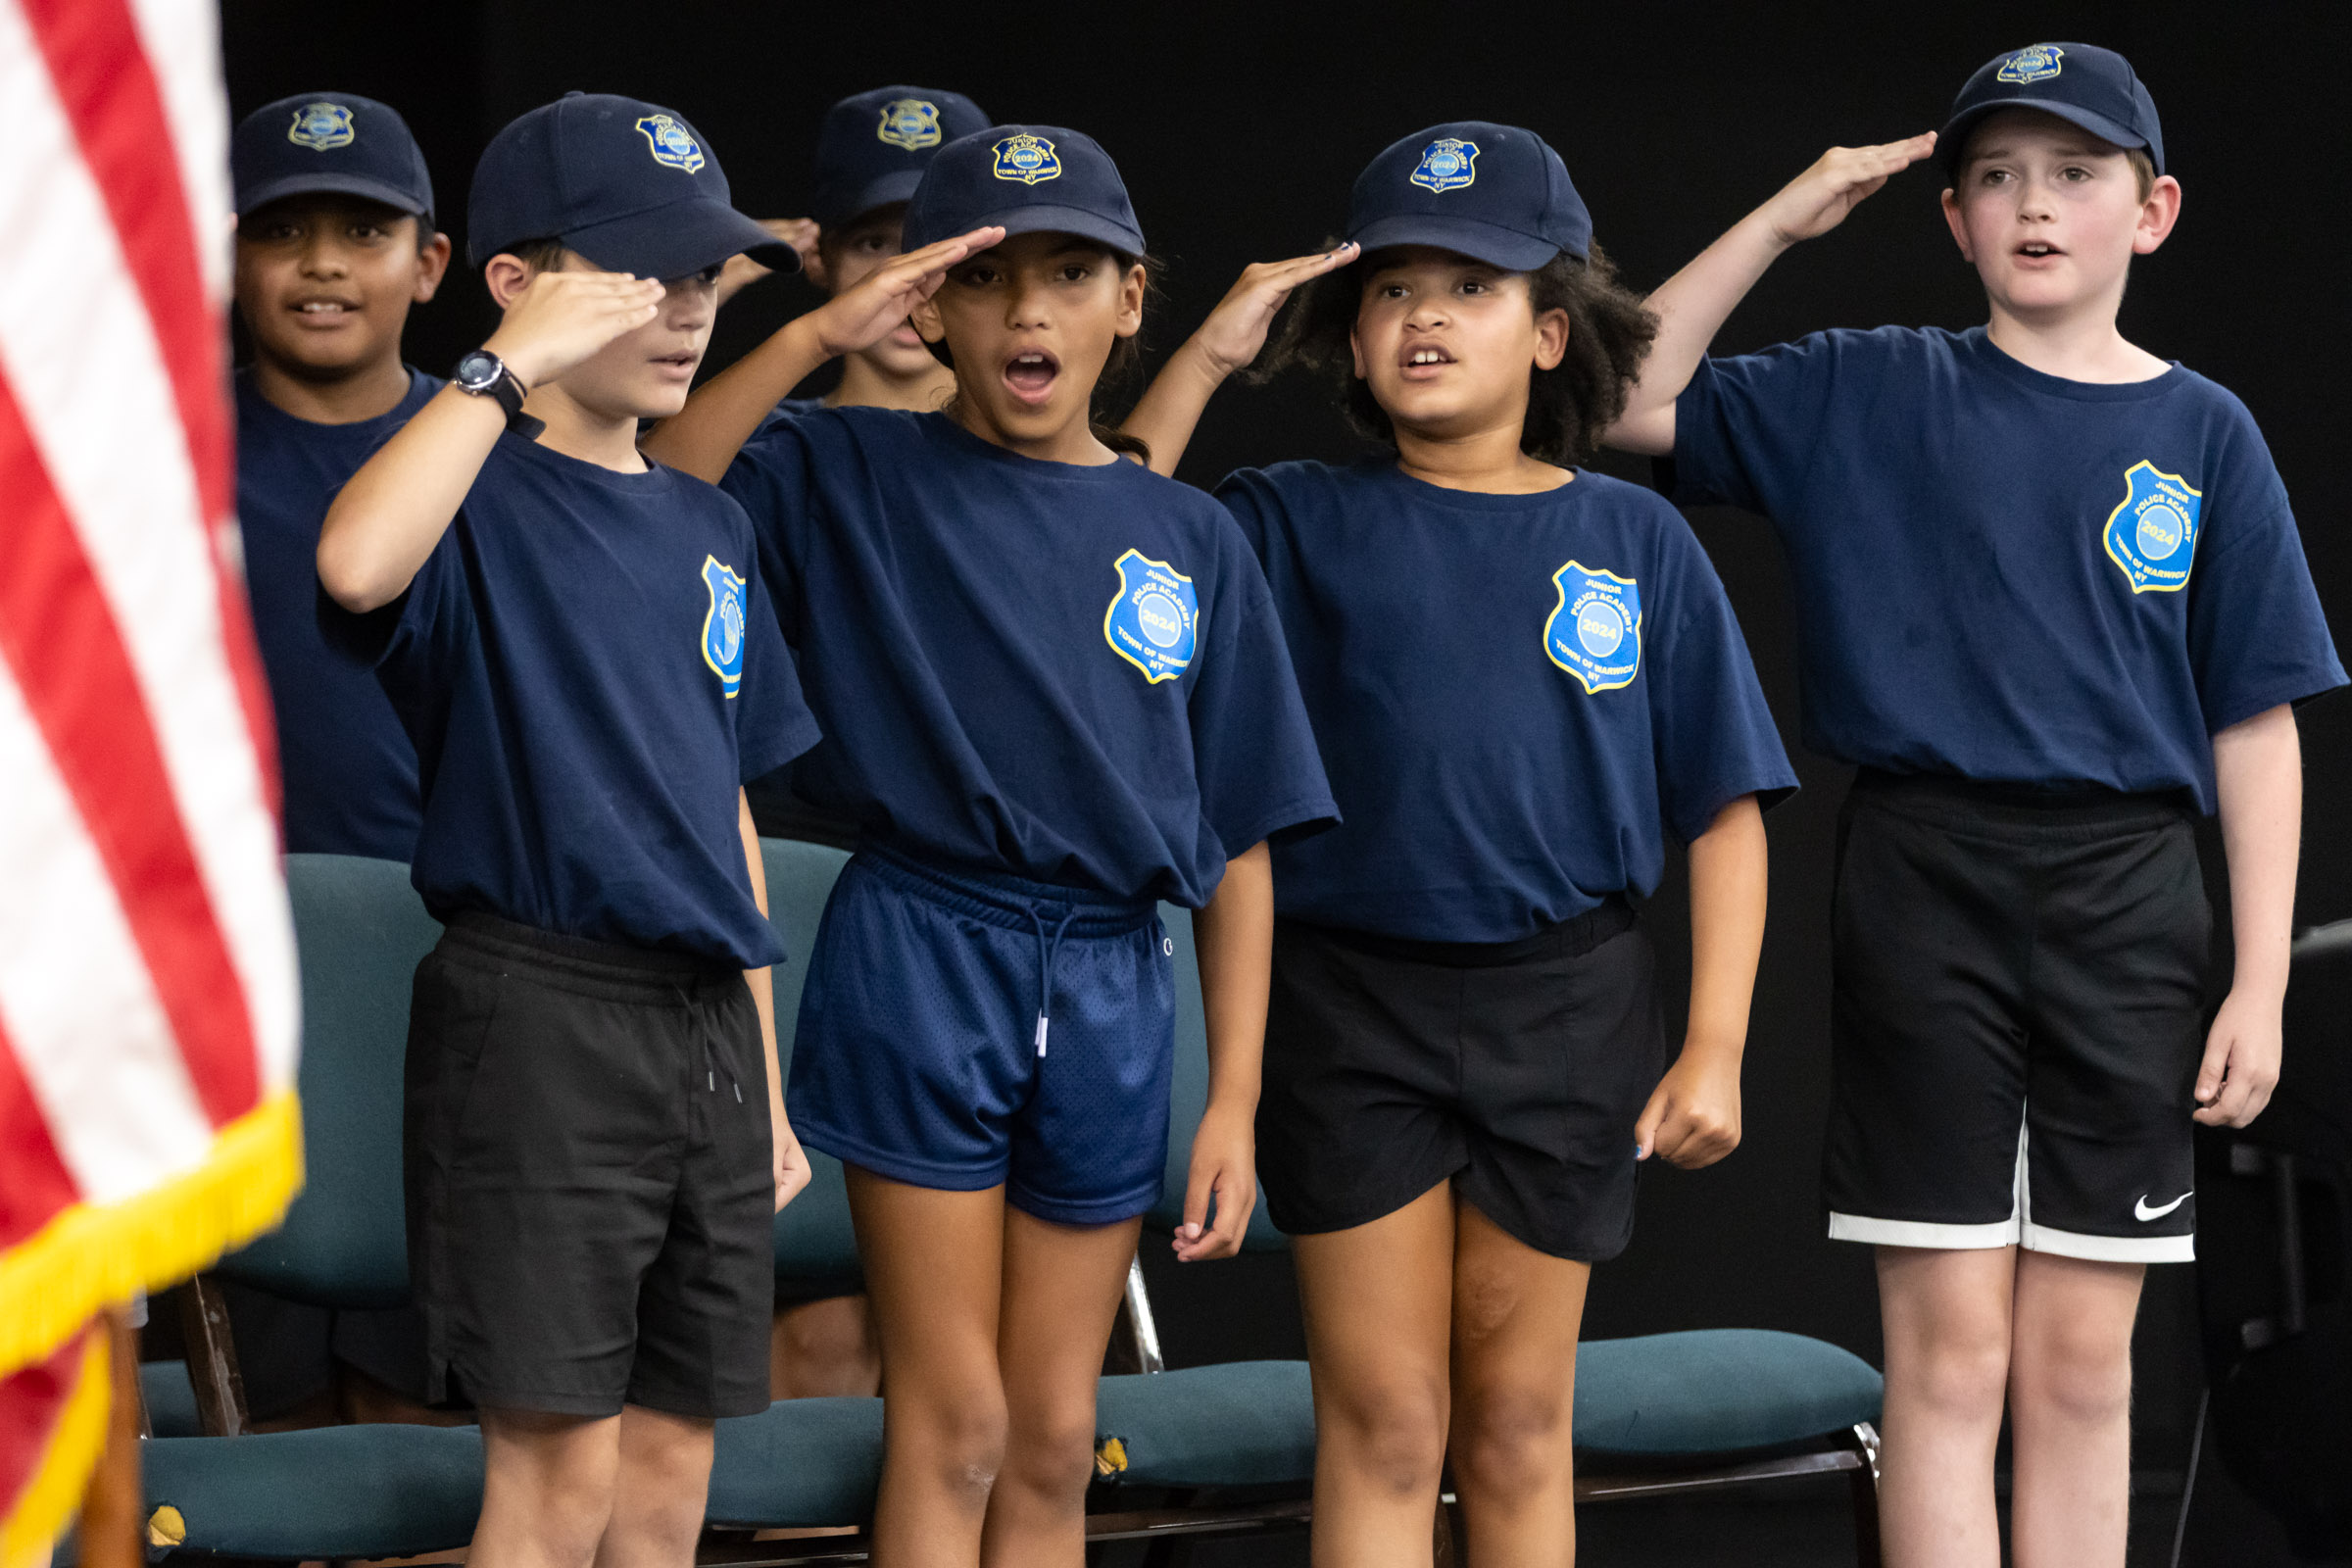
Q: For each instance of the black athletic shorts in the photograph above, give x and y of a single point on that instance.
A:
(2017, 1018)
(1515, 1069)
(588, 1164)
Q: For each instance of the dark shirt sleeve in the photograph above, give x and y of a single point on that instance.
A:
(1746, 428)
(2257, 636)
(424, 612)
(773, 721)
(1713, 731)
(771, 478)
(1240, 494)
(1255, 756)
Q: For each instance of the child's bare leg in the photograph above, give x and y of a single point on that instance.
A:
(824, 1347)
(1378, 1302)
(933, 1267)
(1947, 1320)
(547, 1488)
(1516, 1313)
(2069, 1410)
(658, 1499)
(1062, 1293)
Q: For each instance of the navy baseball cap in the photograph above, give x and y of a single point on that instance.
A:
(873, 147)
(629, 186)
(2080, 82)
(1495, 193)
(328, 141)
(1026, 179)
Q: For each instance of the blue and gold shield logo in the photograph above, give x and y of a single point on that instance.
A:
(2037, 64)
(1594, 632)
(1153, 618)
(672, 143)
(722, 627)
(1027, 159)
(910, 122)
(321, 126)
(1447, 164)
(2153, 534)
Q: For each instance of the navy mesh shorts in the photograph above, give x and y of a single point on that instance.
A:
(959, 1031)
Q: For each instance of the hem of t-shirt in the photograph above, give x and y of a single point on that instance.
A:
(794, 742)
(2290, 694)
(362, 637)
(1301, 819)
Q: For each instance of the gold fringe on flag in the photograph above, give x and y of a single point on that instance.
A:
(92, 1257)
(53, 1493)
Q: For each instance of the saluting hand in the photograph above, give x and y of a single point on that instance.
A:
(558, 320)
(866, 315)
(801, 233)
(1818, 200)
(1236, 330)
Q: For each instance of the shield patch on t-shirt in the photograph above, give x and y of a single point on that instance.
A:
(1153, 618)
(1594, 632)
(722, 626)
(2153, 534)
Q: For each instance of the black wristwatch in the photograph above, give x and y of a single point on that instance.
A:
(485, 375)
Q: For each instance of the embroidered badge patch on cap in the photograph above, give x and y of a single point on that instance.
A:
(1153, 618)
(2037, 64)
(1027, 159)
(2153, 534)
(1447, 164)
(321, 126)
(1594, 632)
(722, 627)
(672, 143)
(910, 122)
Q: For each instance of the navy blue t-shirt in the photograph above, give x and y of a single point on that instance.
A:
(1069, 673)
(590, 668)
(2005, 576)
(349, 770)
(1517, 697)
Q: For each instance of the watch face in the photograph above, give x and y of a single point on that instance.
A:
(478, 372)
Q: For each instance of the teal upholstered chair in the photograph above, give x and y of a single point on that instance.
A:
(335, 1491)
(1654, 1414)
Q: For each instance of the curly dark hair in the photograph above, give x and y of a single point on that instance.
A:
(1120, 371)
(1568, 407)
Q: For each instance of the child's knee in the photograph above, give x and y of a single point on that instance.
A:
(2080, 1370)
(1393, 1431)
(1961, 1367)
(1051, 1448)
(957, 1433)
(1511, 1442)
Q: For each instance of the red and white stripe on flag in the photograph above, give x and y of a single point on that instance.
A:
(147, 991)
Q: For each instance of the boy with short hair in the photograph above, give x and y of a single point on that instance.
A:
(581, 645)
(2055, 605)
(335, 241)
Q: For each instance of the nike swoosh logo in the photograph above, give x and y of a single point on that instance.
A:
(2143, 1214)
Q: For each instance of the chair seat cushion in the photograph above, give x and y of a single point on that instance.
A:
(1715, 1391)
(799, 1463)
(171, 1396)
(335, 1491)
(1243, 1423)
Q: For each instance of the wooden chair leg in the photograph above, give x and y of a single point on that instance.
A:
(1863, 1484)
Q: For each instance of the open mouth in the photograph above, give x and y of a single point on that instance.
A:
(1423, 362)
(2036, 250)
(327, 312)
(1030, 375)
(679, 366)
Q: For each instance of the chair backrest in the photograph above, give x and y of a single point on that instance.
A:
(1189, 1094)
(359, 930)
(813, 1237)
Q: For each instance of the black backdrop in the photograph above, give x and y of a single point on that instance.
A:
(1240, 129)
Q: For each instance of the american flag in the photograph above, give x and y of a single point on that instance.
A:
(147, 996)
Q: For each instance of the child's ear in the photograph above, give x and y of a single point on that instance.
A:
(506, 276)
(1356, 350)
(927, 324)
(432, 265)
(2157, 215)
(1131, 301)
(1958, 225)
(814, 269)
(1551, 339)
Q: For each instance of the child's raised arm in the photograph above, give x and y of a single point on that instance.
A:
(1228, 341)
(388, 519)
(1692, 304)
(702, 437)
